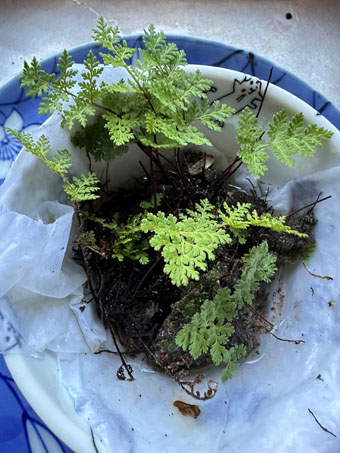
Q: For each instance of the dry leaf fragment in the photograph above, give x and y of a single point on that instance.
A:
(187, 409)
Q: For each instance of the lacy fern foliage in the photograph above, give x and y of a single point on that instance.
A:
(80, 189)
(210, 329)
(187, 242)
(129, 240)
(240, 217)
(156, 105)
(287, 138)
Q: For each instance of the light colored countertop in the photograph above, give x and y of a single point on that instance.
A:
(301, 36)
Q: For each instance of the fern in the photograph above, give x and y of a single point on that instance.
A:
(185, 243)
(287, 138)
(81, 189)
(96, 140)
(150, 108)
(240, 217)
(290, 137)
(87, 240)
(129, 241)
(259, 265)
(210, 329)
(252, 149)
(159, 105)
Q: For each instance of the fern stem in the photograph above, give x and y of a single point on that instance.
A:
(140, 87)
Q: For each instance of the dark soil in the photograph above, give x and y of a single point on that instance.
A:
(138, 302)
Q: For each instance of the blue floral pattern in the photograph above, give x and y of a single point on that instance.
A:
(20, 429)
(10, 146)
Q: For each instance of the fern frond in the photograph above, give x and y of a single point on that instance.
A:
(231, 360)
(89, 90)
(240, 217)
(120, 128)
(97, 142)
(105, 34)
(266, 220)
(288, 138)
(212, 115)
(128, 242)
(211, 328)
(185, 243)
(36, 81)
(258, 265)
(252, 149)
(59, 164)
(83, 188)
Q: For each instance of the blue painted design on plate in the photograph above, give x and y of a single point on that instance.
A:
(20, 428)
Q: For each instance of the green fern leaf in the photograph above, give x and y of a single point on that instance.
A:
(83, 188)
(231, 358)
(259, 265)
(105, 34)
(252, 149)
(185, 243)
(289, 137)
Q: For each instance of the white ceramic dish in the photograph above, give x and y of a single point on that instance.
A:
(38, 379)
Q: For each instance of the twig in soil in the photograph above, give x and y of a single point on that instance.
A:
(285, 339)
(187, 386)
(226, 174)
(144, 169)
(104, 186)
(83, 251)
(322, 427)
(263, 319)
(108, 351)
(323, 277)
(310, 205)
(160, 155)
(142, 280)
(184, 180)
(90, 161)
(125, 365)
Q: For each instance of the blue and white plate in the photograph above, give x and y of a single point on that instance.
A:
(20, 429)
